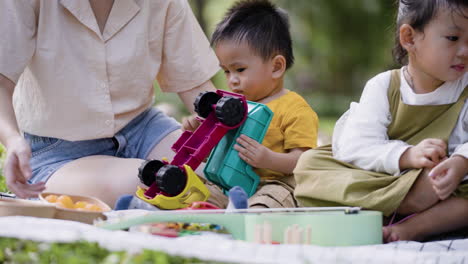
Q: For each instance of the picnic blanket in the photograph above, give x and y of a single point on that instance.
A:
(215, 248)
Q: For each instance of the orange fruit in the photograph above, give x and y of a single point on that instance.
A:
(51, 198)
(80, 204)
(93, 207)
(65, 201)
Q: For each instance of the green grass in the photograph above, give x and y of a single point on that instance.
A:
(23, 251)
(3, 187)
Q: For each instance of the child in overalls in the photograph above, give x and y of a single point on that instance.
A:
(403, 148)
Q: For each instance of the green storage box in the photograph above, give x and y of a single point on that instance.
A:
(224, 167)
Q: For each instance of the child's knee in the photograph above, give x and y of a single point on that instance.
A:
(420, 197)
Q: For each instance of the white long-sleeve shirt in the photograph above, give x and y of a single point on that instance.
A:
(360, 135)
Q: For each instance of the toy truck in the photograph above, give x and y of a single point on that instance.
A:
(174, 185)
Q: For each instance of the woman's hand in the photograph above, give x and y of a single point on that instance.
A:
(17, 169)
(446, 176)
(427, 154)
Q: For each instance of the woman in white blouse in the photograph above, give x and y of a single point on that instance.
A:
(76, 90)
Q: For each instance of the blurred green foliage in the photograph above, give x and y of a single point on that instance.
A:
(338, 46)
(23, 251)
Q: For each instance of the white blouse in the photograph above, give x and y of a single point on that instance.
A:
(360, 135)
(78, 83)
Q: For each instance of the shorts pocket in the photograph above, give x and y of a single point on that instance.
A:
(41, 145)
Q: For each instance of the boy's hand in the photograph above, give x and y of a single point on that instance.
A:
(252, 152)
(446, 176)
(427, 154)
(18, 171)
(190, 123)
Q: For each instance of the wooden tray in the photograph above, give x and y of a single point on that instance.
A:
(42, 208)
(11, 206)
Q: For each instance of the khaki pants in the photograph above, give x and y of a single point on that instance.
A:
(269, 194)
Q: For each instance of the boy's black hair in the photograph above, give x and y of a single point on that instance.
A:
(417, 14)
(263, 26)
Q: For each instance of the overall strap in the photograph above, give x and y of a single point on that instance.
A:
(413, 123)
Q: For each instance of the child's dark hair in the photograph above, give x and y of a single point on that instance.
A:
(263, 26)
(417, 14)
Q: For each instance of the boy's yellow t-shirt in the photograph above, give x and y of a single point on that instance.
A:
(294, 125)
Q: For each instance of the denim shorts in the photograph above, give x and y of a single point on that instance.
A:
(135, 140)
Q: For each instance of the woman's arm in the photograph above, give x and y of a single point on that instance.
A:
(188, 97)
(9, 128)
(188, 60)
(17, 169)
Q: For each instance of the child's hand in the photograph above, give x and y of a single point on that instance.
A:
(190, 123)
(252, 152)
(446, 176)
(427, 154)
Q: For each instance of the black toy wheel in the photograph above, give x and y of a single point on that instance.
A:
(171, 180)
(204, 102)
(230, 110)
(147, 171)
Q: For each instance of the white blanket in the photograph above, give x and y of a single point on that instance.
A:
(215, 248)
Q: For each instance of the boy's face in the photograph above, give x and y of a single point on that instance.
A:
(246, 72)
(441, 51)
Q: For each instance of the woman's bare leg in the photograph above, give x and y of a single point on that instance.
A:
(420, 197)
(163, 150)
(445, 216)
(105, 177)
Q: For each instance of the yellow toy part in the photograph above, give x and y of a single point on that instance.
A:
(194, 191)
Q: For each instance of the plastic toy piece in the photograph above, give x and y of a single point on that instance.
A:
(230, 111)
(171, 185)
(201, 206)
(147, 171)
(225, 167)
(194, 190)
